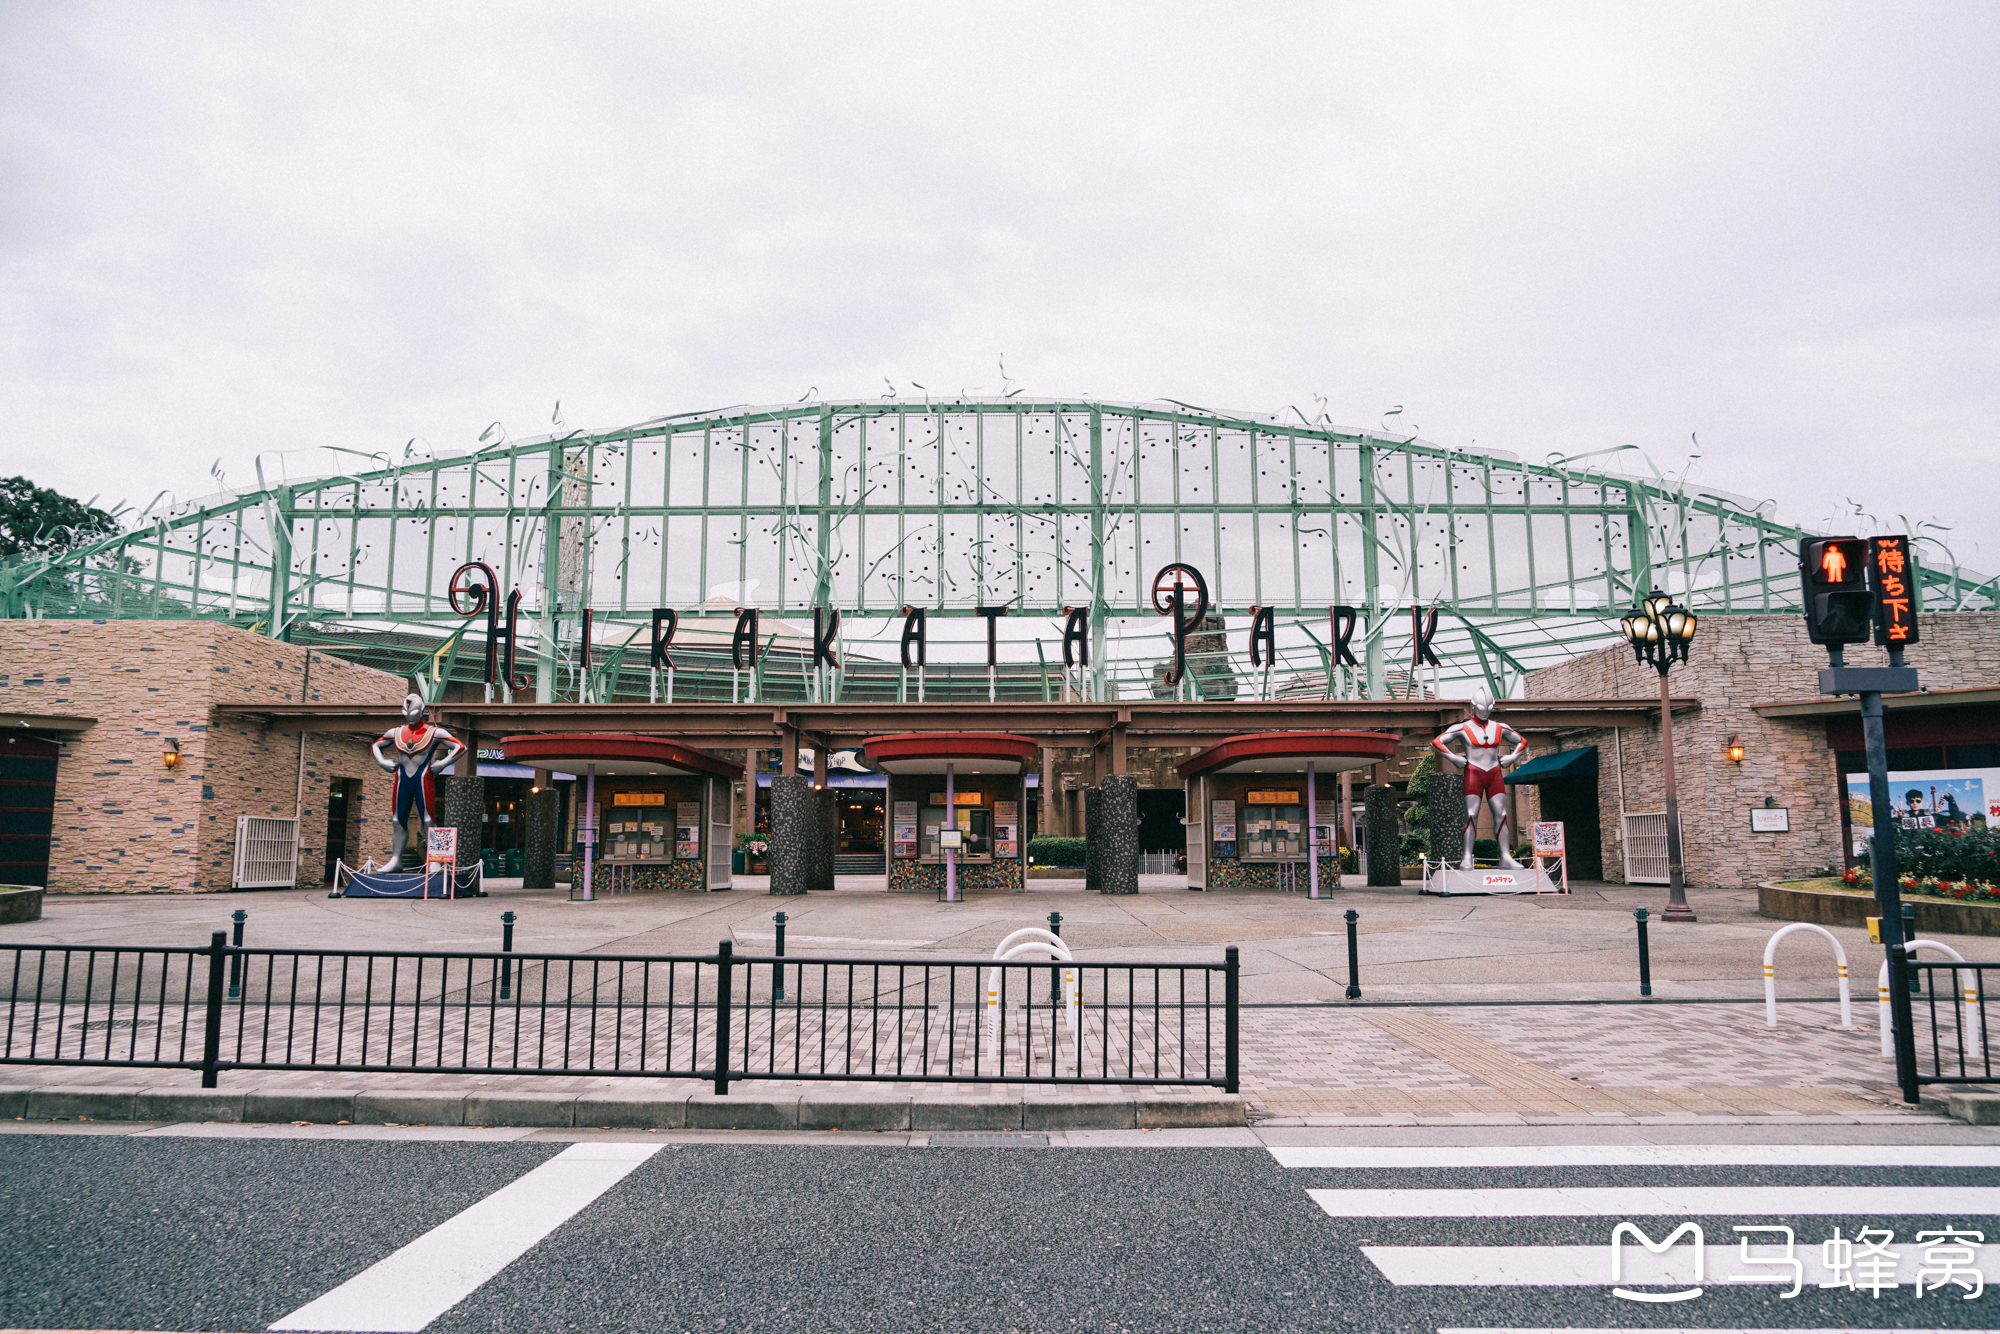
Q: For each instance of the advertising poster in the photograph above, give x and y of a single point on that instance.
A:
(1927, 799)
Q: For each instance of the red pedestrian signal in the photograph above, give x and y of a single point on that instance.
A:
(1838, 602)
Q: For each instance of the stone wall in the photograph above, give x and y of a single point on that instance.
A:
(126, 823)
(1735, 664)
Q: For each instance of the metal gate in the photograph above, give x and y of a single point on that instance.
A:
(1646, 848)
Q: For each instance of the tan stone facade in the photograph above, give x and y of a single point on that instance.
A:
(124, 822)
(1736, 663)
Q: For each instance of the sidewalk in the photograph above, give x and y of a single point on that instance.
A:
(1307, 1058)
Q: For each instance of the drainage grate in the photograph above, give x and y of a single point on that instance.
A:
(89, 1024)
(987, 1139)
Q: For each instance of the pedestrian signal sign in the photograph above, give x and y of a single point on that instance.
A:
(1838, 601)
(1892, 579)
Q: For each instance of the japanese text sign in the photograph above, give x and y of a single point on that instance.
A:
(1892, 577)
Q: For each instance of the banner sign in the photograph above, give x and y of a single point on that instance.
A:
(1548, 838)
(1945, 799)
(442, 846)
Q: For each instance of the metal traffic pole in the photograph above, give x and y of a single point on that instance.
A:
(237, 919)
(1645, 956)
(778, 970)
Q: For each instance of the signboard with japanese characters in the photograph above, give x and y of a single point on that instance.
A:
(1892, 577)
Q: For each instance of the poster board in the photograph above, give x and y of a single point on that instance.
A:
(1548, 838)
(1222, 817)
(1006, 829)
(903, 829)
(687, 831)
(1943, 799)
(441, 847)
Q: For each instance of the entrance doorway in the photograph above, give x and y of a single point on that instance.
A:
(341, 794)
(1574, 802)
(858, 822)
(27, 808)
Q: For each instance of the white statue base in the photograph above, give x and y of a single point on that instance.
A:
(1447, 880)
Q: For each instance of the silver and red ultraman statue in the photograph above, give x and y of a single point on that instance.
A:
(422, 749)
(1485, 770)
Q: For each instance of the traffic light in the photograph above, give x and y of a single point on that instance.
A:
(1837, 598)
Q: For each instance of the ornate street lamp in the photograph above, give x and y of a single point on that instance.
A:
(1660, 630)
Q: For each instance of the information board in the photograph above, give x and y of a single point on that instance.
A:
(903, 824)
(1548, 838)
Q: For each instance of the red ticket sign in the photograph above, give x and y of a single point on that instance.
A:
(1892, 578)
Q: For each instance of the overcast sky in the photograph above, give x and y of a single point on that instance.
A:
(1545, 229)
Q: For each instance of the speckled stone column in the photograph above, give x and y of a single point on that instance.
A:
(1092, 878)
(1384, 856)
(1447, 817)
(538, 864)
(461, 804)
(823, 841)
(793, 806)
(1117, 836)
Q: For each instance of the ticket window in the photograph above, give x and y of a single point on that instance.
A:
(975, 825)
(1273, 833)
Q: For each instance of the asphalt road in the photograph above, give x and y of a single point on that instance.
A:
(225, 1234)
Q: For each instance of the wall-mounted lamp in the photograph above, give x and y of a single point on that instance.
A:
(172, 754)
(1735, 751)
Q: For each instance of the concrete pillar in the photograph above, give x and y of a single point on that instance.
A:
(461, 805)
(1384, 857)
(538, 863)
(793, 805)
(1446, 812)
(820, 874)
(1116, 838)
(1092, 882)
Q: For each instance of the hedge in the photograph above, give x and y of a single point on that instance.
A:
(1937, 854)
(1048, 850)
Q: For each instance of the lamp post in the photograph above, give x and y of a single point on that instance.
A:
(1660, 630)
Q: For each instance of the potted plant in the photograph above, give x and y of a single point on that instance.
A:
(756, 850)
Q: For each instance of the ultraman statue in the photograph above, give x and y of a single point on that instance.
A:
(1485, 770)
(422, 749)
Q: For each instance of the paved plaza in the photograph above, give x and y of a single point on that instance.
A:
(1308, 1056)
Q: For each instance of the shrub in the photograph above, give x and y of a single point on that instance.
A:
(1941, 854)
(1048, 850)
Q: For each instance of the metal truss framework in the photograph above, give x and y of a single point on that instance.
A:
(1034, 505)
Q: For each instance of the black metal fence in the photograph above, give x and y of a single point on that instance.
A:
(1952, 1023)
(720, 1017)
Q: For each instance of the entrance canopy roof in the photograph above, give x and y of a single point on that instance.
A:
(1581, 763)
(1289, 752)
(970, 752)
(616, 753)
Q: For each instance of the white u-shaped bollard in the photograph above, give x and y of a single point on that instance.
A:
(1051, 945)
(1771, 974)
(1969, 1001)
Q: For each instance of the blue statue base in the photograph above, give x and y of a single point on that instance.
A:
(465, 884)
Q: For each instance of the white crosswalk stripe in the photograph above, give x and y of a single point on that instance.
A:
(1660, 1201)
(1590, 1266)
(408, 1290)
(1643, 1155)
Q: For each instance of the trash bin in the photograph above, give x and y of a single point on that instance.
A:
(517, 862)
(736, 862)
(489, 861)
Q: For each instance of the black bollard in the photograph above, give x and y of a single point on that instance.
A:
(237, 918)
(778, 970)
(506, 947)
(1645, 956)
(1909, 934)
(1055, 973)
(1353, 955)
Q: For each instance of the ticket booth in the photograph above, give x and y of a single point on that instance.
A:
(659, 815)
(957, 813)
(1248, 802)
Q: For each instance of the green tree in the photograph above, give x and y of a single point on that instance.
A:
(35, 521)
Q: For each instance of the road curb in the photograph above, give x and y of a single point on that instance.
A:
(847, 1109)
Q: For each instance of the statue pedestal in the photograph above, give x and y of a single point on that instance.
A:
(1448, 880)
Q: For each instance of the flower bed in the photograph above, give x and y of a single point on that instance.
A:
(1964, 891)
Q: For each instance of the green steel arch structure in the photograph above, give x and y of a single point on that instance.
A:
(875, 506)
